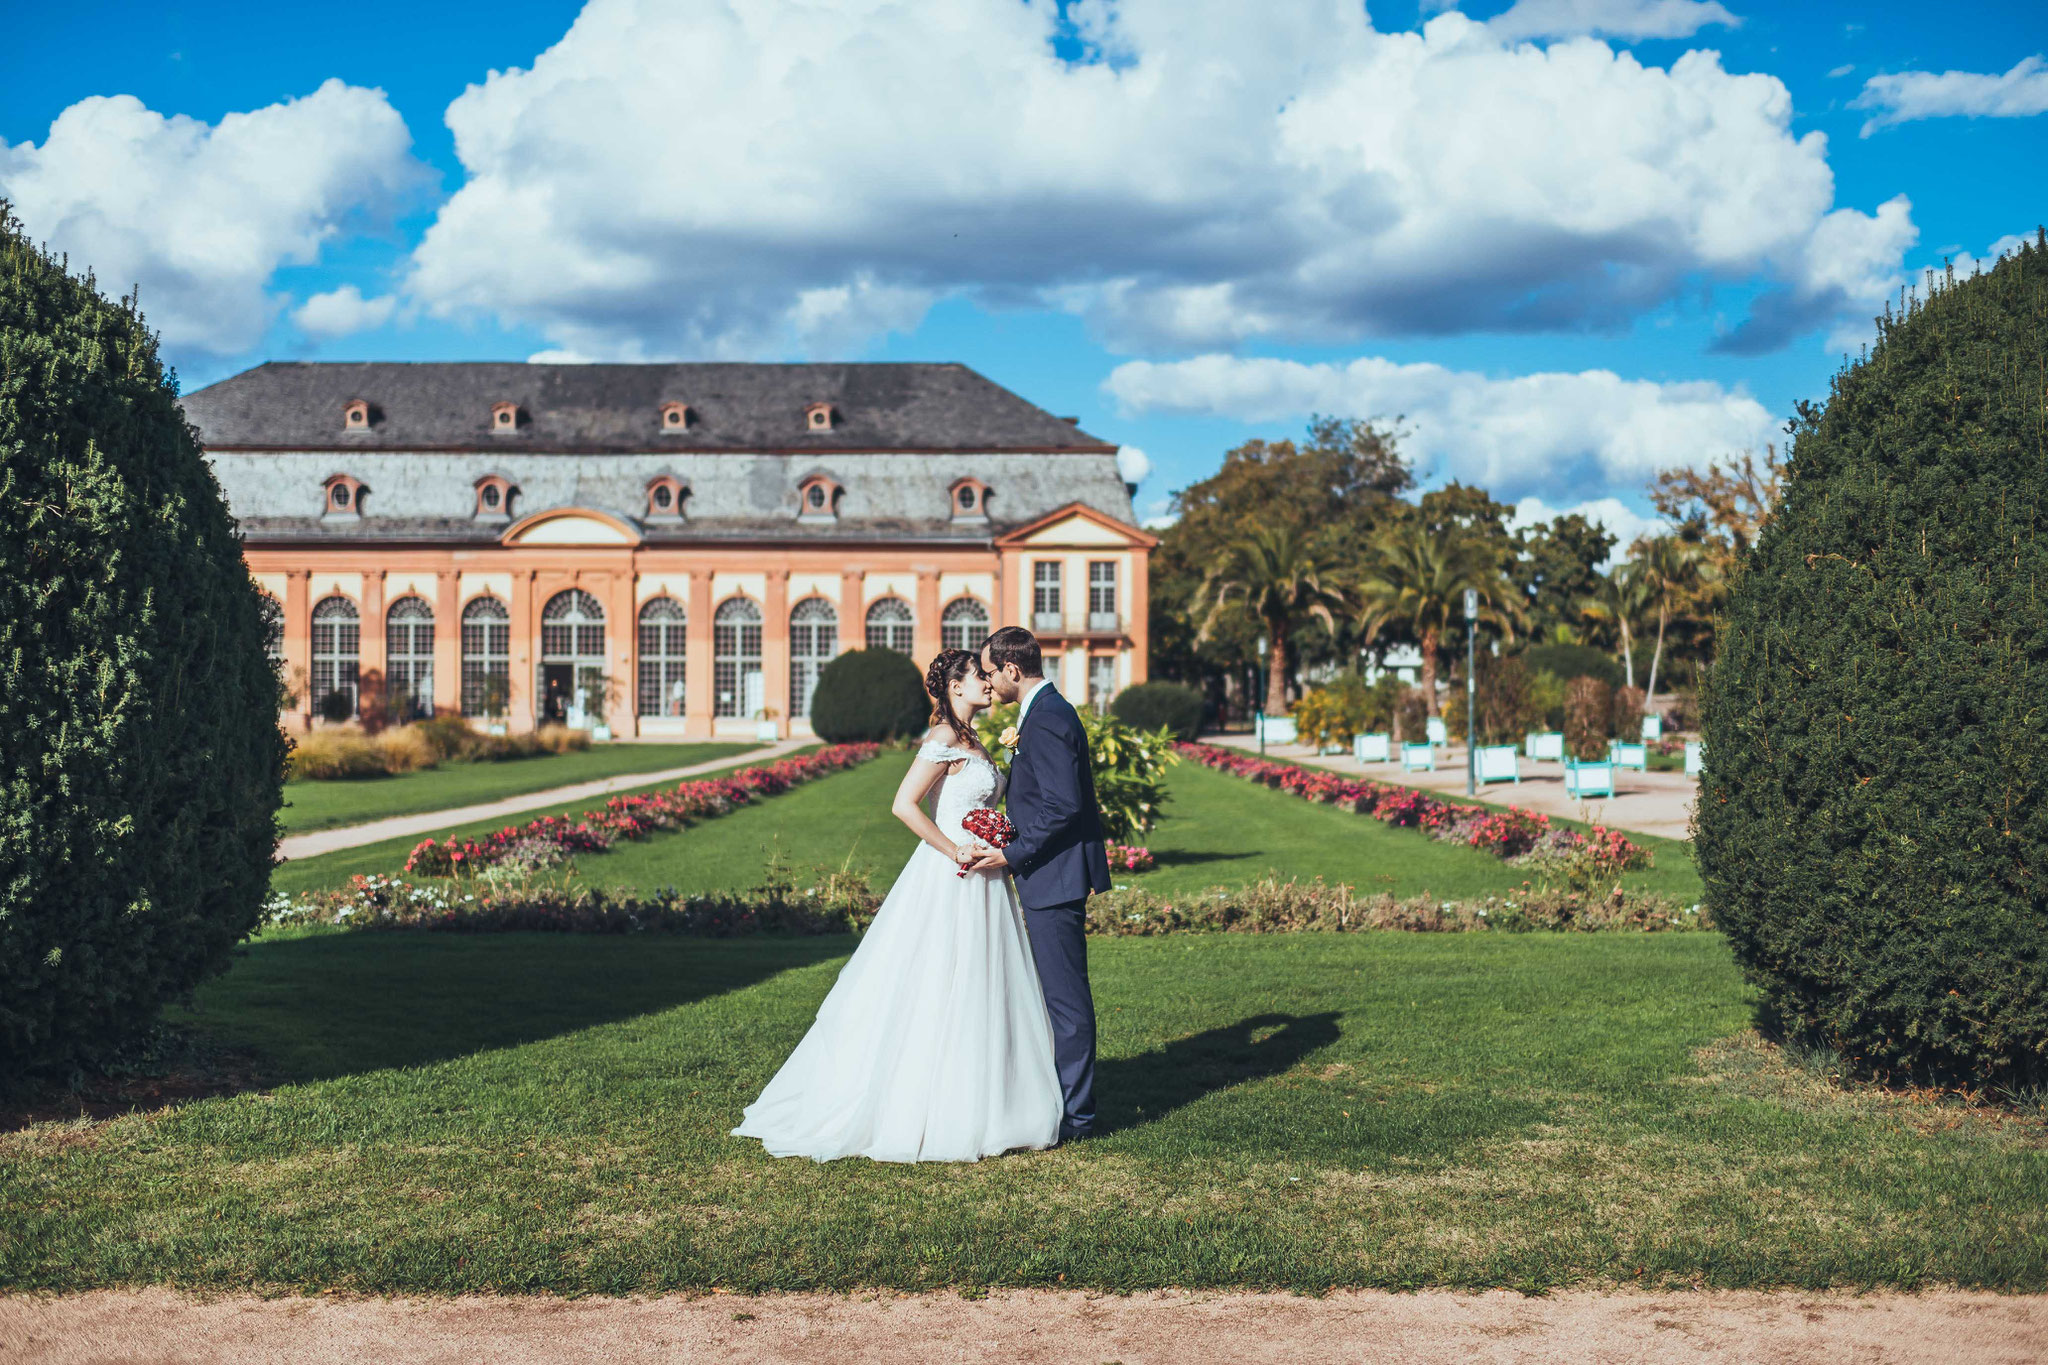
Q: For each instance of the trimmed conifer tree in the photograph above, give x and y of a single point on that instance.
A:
(141, 765)
(1873, 822)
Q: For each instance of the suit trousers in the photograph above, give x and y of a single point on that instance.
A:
(1059, 946)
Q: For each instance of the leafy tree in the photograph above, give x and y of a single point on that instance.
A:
(141, 764)
(1270, 575)
(1622, 598)
(1557, 567)
(1731, 501)
(1674, 573)
(1415, 581)
(1872, 826)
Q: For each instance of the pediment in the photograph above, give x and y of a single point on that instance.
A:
(1078, 525)
(571, 526)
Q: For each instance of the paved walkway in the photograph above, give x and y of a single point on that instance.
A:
(434, 821)
(1024, 1327)
(1645, 803)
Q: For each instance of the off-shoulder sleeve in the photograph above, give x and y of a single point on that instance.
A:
(936, 751)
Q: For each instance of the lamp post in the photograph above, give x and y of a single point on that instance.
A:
(1259, 713)
(1471, 692)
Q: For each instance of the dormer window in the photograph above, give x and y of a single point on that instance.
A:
(494, 497)
(970, 500)
(665, 498)
(504, 419)
(819, 417)
(342, 496)
(818, 499)
(675, 417)
(355, 415)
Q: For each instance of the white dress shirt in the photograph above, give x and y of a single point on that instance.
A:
(1024, 709)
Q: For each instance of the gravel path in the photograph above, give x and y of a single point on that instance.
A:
(434, 821)
(1028, 1327)
(1644, 803)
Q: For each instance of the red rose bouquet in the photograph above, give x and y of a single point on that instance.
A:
(992, 827)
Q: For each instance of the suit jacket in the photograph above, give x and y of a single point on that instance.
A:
(1057, 855)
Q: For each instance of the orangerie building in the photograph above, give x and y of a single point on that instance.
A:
(666, 549)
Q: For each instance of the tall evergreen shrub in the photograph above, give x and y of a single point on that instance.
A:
(1873, 823)
(869, 694)
(141, 765)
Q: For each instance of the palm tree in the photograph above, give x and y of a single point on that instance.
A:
(1620, 601)
(1416, 577)
(1673, 572)
(1272, 575)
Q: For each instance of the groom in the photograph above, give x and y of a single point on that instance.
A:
(1057, 856)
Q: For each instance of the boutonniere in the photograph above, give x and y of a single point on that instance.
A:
(1008, 738)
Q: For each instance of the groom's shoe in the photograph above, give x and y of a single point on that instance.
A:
(1068, 1134)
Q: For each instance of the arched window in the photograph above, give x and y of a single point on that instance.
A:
(486, 657)
(272, 616)
(889, 625)
(813, 640)
(662, 630)
(736, 683)
(336, 650)
(964, 624)
(409, 656)
(571, 657)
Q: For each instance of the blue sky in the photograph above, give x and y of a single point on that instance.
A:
(1569, 249)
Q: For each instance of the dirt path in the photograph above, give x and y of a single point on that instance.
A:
(434, 821)
(1171, 1328)
(1644, 803)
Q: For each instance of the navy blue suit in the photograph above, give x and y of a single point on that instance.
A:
(1057, 858)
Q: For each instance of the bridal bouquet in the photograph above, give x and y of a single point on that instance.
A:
(992, 827)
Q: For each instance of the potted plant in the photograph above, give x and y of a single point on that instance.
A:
(599, 692)
(497, 694)
(765, 728)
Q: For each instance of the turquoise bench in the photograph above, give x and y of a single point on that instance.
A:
(1496, 763)
(1418, 758)
(1588, 779)
(1376, 748)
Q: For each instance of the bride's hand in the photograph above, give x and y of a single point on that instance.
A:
(963, 853)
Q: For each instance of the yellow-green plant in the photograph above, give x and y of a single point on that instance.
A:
(1129, 767)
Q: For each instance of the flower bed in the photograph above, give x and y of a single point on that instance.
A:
(1131, 858)
(1520, 836)
(630, 817)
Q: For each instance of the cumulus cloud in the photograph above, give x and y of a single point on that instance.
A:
(201, 216)
(1550, 435)
(1609, 18)
(1903, 96)
(343, 312)
(1966, 264)
(710, 177)
(1612, 515)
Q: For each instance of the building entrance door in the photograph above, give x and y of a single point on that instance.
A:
(557, 690)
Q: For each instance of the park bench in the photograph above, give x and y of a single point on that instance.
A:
(1544, 746)
(1418, 758)
(1635, 756)
(1496, 763)
(1588, 779)
(1376, 748)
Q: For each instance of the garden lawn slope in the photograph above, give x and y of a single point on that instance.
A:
(549, 1113)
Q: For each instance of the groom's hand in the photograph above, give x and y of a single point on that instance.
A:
(988, 860)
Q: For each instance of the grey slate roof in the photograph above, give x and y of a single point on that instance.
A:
(419, 406)
(601, 449)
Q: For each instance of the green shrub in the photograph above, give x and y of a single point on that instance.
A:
(1345, 707)
(1575, 661)
(1873, 823)
(1588, 710)
(1129, 767)
(1151, 705)
(141, 765)
(869, 694)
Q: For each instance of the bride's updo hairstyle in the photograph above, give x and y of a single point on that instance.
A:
(949, 667)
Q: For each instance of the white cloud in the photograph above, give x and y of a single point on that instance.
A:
(202, 215)
(711, 177)
(1965, 264)
(1612, 515)
(1609, 18)
(1134, 464)
(1846, 68)
(343, 312)
(1553, 435)
(1903, 96)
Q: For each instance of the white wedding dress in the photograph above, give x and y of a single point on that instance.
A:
(934, 1044)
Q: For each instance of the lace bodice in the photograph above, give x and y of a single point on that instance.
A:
(977, 784)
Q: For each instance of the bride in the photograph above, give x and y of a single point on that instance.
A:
(934, 1044)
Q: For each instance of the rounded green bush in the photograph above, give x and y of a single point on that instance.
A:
(141, 765)
(869, 694)
(1873, 823)
(1151, 705)
(1574, 661)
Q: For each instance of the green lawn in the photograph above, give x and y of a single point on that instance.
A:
(1219, 830)
(323, 805)
(522, 1113)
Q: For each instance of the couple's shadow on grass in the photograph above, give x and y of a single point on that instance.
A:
(1134, 1091)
